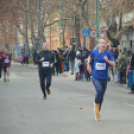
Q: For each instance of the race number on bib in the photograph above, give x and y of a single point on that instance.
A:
(45, 64)
(6, 60)
(100, 66)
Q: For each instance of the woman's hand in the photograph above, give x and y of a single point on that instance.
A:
(89, 68)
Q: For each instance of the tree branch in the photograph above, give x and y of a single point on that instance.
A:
(53, 23)
(23, 7)
(84, 2)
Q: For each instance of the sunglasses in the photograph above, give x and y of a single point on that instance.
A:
(102, 43)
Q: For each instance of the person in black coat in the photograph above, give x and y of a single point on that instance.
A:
(85, 53)
(71, 56)
(66, 59)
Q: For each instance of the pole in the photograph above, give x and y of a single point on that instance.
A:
(86, 42)
(97, 20)
(62, 25)
(50, 33)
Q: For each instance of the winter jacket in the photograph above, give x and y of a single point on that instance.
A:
(48, 58)
(85, 54)
(132, 62)
(34, 56)
(6, 61)
(65, 57)
(72, 55)
(122, 61)
(130, 78)
(77, 69)
(1, 55)
(80, 57)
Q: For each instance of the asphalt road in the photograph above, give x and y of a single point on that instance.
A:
(68, 110)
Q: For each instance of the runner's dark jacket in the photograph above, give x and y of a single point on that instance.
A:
(49, 57)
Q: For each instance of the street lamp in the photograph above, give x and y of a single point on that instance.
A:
(97, 20)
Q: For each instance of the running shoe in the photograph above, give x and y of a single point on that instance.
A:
(4, 79)
(131, 92)
(96, 108)
(44, 98)
(97, 117)
(8, 80)
(48, 91)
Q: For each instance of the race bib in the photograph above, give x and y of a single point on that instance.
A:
(100, 66)
(45, 64)
(6, 60)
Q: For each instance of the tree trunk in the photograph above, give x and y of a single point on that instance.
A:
(85, 21)
(26, 33)
(77, 30)
(40, 24)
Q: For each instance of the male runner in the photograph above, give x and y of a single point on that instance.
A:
(102, 59)
(45, 61)
(6, 59)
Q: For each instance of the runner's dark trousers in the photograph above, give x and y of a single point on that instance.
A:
(0, 70)
(45, 76)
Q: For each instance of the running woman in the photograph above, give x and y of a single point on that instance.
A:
(6, 58)
(102, 59)
(45, 61)
(1, 54)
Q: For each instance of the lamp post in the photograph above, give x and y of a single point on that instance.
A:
(62, 25)
(97, 20)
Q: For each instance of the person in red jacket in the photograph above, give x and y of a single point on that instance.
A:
(6, 59)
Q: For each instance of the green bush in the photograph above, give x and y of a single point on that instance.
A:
(15, 60)
(30, 61)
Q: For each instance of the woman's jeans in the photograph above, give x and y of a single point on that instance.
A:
(81, 75)
(66, 67)
(100, 87)
(118, 75)
(87, 76)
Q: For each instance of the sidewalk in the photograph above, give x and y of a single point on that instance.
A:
(66, 74)
(30, 66)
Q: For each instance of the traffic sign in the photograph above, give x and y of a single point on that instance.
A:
(19, 53)
(28, 53)
(93, 34)
(40, 45)
(95, 41)
(102, 33)
(18, 47)
(85, 33)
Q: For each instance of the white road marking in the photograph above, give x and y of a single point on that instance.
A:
(130, 105)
